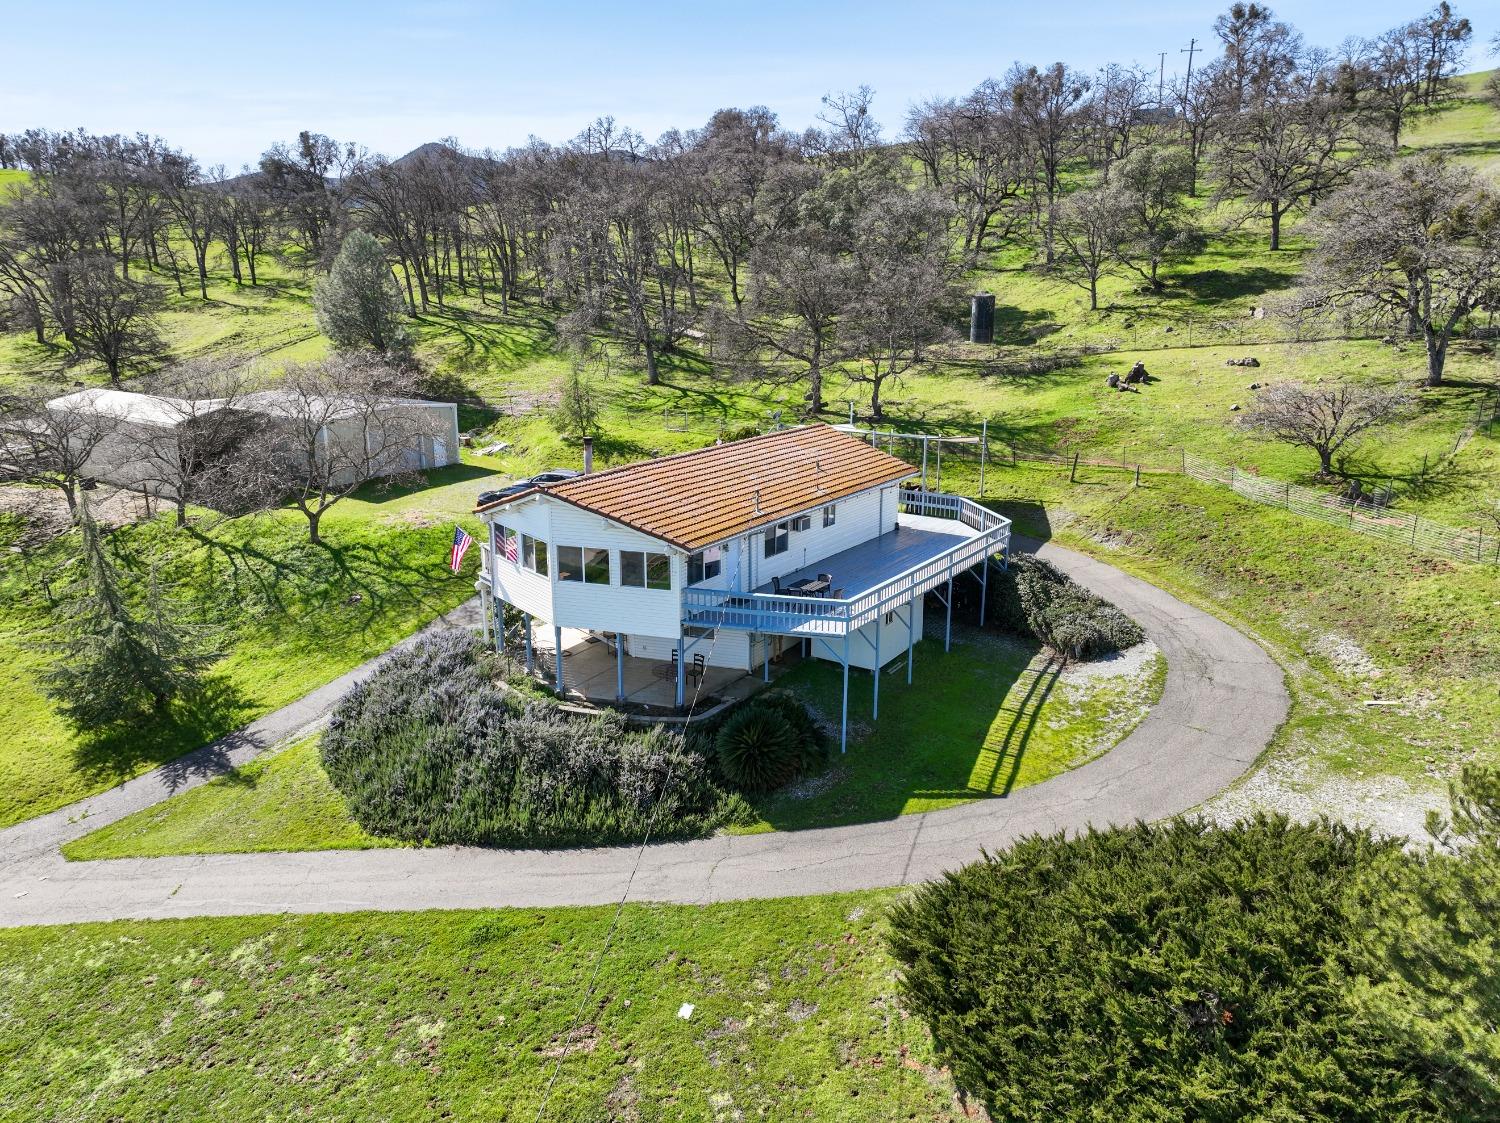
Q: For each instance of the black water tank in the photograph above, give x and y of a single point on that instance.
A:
(982, 318)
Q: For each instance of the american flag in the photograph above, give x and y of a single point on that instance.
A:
(510, 545)
(461, 543)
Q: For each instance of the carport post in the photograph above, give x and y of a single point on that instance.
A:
(557, 656)
(530, 658)
(875, 699)
(681, 671)
(619, 667)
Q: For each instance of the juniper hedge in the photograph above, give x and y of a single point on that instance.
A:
(1159, 972)
(1034, 598)
(432, 749)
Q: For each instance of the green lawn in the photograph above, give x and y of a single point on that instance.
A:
(290, 616)
(979, 721)
(282, 801)
(983, 720)
(1351, 619)
(463, 1016)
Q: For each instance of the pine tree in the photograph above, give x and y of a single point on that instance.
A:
(112, 661)
(359, 304)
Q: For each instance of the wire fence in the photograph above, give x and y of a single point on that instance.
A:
(972, 457)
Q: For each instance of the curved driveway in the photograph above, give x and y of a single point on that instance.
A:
(1223, 700)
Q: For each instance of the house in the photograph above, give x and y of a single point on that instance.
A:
(727, 556)
(142, 428)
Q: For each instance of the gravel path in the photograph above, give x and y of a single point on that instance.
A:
(1223, 700)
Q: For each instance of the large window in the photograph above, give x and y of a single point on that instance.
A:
(583, 563)
(830, 515)
(778, 538)
(705, 565)
(508, 544)
(534, 554)
(642, 569)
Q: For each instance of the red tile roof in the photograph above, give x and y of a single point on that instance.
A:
(694, 499)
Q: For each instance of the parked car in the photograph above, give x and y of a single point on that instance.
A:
(541, 479)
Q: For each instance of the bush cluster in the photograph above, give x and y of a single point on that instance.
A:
(1033, 598)
(1167, 971)
(431, 749)
(768, 742)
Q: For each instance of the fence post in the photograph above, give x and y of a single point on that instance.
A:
(1073, 471)
(984, 446)
(1184, 460)
(1413, 530)
(1231, 477)
(1012, 456)
(1288, 496)
(1137, 475)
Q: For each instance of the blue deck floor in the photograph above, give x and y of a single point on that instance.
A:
(916, 539)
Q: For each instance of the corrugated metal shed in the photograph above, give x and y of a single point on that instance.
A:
(694, 499)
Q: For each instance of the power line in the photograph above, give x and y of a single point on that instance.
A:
(640, 854)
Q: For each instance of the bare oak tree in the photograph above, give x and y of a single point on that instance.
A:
(332, 427)
(51, 445)
(1323, 417)
(1414, 247)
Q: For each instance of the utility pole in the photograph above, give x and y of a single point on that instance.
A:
(1190, 50)
(1161, 80)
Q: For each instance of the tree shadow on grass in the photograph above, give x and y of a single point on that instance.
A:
(208, 717)
(960, 731)
(1215, 286)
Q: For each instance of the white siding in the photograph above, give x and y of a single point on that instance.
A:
(860, 517)
(512, 582)
(893, 637)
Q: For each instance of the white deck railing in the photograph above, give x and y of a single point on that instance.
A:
(793, 615)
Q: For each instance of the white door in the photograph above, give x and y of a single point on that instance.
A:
(439, 452)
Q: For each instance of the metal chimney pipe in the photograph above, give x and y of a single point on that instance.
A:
(588, 455)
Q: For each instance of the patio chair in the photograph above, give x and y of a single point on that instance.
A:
(699, 667)
(776, 584)
(837, 594)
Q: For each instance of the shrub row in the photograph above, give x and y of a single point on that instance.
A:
(1168, 971)
(431, 749)
(1033, 598)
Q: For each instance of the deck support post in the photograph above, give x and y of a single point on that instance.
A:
(681, 671)
(557, 657)
(924, 462)
(984, 587)
(875, 698)
(844, 712)
(911, 636)
(530, 655)
(486, 606)
(766, 664)
(948, 625)
(619, 668)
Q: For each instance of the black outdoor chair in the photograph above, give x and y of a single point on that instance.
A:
(776, 584)
(699, 667)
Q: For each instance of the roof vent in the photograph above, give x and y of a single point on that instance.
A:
(757, 501)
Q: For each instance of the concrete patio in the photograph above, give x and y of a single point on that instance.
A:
(590, 672)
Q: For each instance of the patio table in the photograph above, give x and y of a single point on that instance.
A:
(811, 587)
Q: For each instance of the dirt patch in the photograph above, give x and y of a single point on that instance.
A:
(45, 511)
(1346, 657)
(584, 1039)
(816, 785)
(1387, 805)
(1120, 664)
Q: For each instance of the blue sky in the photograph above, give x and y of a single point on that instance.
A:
(224, 80)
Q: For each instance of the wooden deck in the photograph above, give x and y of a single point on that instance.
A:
(916, 539)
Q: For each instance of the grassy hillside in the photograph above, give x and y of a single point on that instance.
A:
(288, 616)
(466, 1016)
